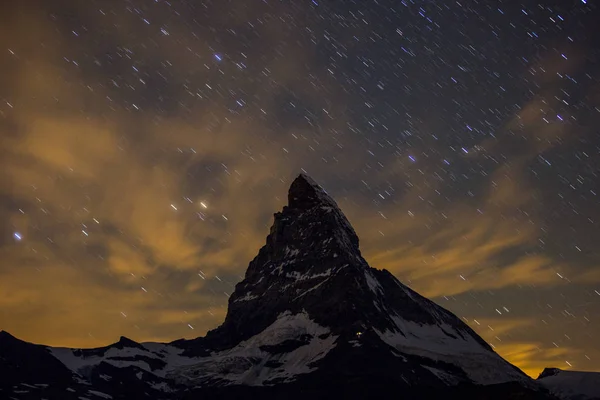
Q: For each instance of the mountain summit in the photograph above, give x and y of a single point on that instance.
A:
(310, 242)
(310, 318)
(305, 193)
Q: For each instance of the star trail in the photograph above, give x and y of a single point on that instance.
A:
(145, 145)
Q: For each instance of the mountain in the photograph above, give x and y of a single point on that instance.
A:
(571, 385)
(310, 318)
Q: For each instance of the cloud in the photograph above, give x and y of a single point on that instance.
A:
(114, 221)
(76, 305)
(467, 249)
(489, 238)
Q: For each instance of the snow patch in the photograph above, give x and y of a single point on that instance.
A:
(162, 386)
(28, 385)
(304, 277)
(442, 342)
(291, 253)
(437, 339)
(248, 364)
(77, 363)
(100, 394)
(170, 355)
(445, 377)
(373, 284)
(247, 297)
(311, 289)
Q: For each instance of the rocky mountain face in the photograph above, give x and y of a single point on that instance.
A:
(310, 318)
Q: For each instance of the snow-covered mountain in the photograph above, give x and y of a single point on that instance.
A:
(311, 273)
(571, 385)
(310, 318)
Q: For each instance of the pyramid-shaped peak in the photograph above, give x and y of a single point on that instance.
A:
(549, 372)
(5, 334)
(306, 178)
(126, 342)
(305, 193)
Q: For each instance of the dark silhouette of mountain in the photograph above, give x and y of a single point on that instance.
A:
(310, 318)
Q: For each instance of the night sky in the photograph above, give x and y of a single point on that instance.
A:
(145, 145)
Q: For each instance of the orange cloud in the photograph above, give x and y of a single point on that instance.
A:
(465, 249)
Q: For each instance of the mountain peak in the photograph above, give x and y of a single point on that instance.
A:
(549, 372)
(5, 334)
(311, 206)
(305, 193)
(126, 342)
